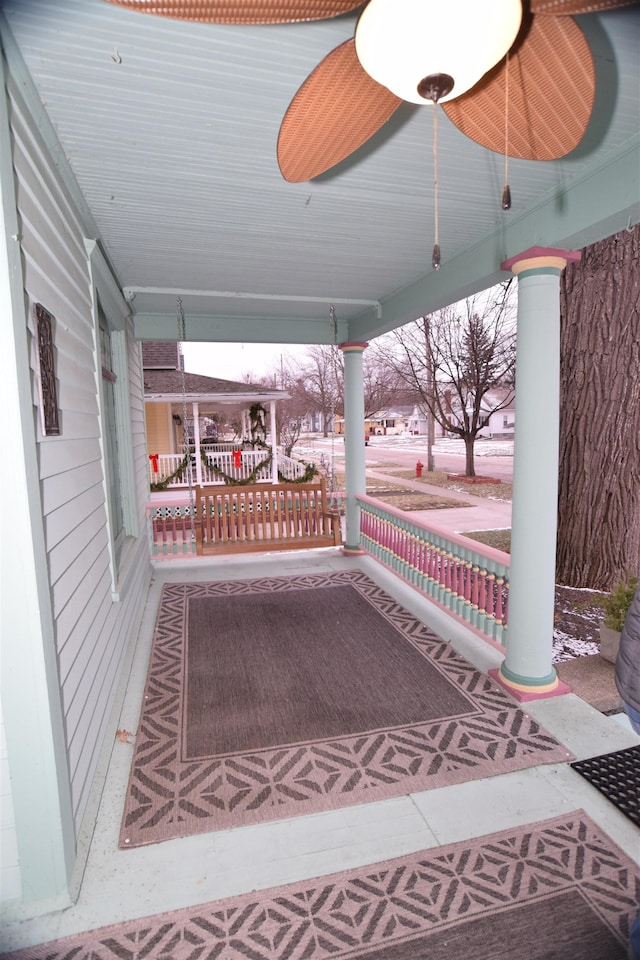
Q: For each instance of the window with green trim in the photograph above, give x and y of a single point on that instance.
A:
(109, 382)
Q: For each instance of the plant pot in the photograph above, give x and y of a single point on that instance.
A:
(609, 643)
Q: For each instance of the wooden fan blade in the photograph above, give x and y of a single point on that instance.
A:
(334, 112)
(551, 85)
(242, 11)
(562, 8)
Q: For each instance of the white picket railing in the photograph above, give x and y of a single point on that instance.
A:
(164, 465)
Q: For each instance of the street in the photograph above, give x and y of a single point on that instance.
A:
(492, 458)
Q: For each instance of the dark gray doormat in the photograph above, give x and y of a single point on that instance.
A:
(617, 776)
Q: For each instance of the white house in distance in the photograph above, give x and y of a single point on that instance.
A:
(499, 425)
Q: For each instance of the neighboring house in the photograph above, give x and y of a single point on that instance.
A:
(172, 395)
(498, 425)
(392, 421)
(313, 423)
(501, 424)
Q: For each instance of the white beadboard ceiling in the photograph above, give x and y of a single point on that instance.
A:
(170, 129)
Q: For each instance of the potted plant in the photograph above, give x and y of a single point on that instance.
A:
(615, 607)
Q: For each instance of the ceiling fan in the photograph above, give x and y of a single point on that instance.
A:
(534, 61)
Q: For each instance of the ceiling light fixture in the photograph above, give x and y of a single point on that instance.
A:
(403, 45)
(431, 51)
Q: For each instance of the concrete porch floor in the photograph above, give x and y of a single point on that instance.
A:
(124, 884)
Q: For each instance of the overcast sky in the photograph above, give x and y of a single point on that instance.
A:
(231, 361)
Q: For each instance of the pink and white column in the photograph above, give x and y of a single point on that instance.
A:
(527, 671)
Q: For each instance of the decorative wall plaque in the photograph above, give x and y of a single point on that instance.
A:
(47, 371)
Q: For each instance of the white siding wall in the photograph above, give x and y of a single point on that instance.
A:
(93, 633)
(10, 885)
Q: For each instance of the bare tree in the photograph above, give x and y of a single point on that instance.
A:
(450, 361)
(381, 384)
(599, 479)
(320, 377)
(290, 414)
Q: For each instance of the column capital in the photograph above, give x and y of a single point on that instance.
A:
(355, 346)
(537, 258)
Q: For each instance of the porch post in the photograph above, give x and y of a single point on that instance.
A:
(195, 407)
(355, 470)
(273, 441)
(527, 671)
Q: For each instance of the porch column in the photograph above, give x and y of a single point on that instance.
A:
(273, 441)
(527, 671)
(195, 407)
(354, 449)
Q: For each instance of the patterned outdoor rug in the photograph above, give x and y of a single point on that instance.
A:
(617, 776)
(279, 697)
(557, 890)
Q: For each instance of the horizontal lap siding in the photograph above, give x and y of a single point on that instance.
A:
(92, 631)
(10, 878)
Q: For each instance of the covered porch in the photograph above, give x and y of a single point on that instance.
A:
(121, 885)
(138, 171)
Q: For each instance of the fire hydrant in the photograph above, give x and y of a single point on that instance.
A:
(419, 467)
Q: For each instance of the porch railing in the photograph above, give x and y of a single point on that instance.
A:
(230, 519)
(164, 465)
(171, 530)
(468, 579)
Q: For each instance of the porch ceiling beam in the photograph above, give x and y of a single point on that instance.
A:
(131, 292)
(603, 201)
(221, 328)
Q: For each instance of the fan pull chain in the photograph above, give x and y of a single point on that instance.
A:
(506, 193)
(435, 259)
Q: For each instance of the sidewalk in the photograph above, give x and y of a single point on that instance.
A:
(480, 514)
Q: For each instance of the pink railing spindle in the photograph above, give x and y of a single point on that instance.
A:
(174, 531)
(491, 597)
(447, 572)
(433, 565)
(469, 583)
(499, 599)
(482, 592)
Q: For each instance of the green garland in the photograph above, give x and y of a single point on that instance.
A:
(232, 481)
(310, 472)
(257, 414)
(176, 475)
(258, 418)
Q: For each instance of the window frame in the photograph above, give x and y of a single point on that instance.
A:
(111, 315)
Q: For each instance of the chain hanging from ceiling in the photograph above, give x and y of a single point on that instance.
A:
(333, 323)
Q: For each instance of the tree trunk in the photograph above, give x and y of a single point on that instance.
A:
(470, 468)
(599, 480)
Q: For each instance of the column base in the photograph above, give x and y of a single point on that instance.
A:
(524, 693)
(353, 551)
